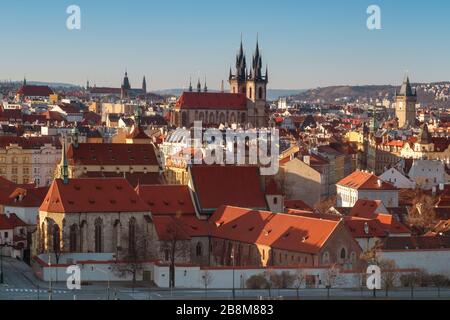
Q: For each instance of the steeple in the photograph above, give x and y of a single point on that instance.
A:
(205, 89)
(24, 81)
(190, 84)
(425, 136)
(64, 166)
(126, 81)
(257, 63)
(199, 86)
(88, 86)
(144, 85)
(406, 89)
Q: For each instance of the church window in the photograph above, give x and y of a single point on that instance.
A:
(98, 235)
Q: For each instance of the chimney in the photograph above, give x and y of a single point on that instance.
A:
(433, 190)
(441, 187)
(380, 183)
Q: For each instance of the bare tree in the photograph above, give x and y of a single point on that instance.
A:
(175, 246)
(207, 278)
(389, 274)
(132, 259)
(331, 278)
(300, 279)
(324, 206)
(422, 215)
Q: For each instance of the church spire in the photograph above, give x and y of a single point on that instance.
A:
(190, 84)
(64, 165)
(199, 86)
(205, 89)
(144, 85)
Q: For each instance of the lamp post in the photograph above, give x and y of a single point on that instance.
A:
(232, 257)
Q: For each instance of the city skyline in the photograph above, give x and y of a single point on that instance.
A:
(305, 45)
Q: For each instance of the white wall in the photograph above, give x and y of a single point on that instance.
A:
(432, 261)
(192, 277)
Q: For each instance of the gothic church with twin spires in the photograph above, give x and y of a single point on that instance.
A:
(245, 105)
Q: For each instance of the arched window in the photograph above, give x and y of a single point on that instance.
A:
(250, 93)
(98, 235)
(56, 238)
(201, 116)
(326, 258)
(343, 254)
(42, 236)
(222, 118)
(132, 236)
(260, 93)
(199, 249)
(116, 234)
(233, 118)
(73, 238)
(184, 119)
(243, 118)
(211, 119)
(83, 236)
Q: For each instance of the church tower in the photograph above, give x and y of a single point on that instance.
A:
(405, 105)
(257, 90)
(238, 81)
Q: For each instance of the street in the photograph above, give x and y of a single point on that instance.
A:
(21, 284)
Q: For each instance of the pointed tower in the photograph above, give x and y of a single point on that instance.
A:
(64, 164)
(238, 80)
(205, 89)
(24, 81)
(190, 84)
(199, 86)
(144, 85)
(256, 85)
(405, 105)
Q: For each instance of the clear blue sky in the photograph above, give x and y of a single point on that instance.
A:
(305, 43)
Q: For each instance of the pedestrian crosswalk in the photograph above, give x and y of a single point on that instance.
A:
(21, 290)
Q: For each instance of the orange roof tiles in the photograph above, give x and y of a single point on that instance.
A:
(93, 195)
(240, 186)
(281, 231)
(365, 181)
(167, 199)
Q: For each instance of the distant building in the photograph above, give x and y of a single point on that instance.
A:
(405, 105)
(365, 186)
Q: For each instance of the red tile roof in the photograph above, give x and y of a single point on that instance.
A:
(35, 91)
(29, 143)
(134, 179)
(212, 101)
(27, 198)
(186, 227)
(215, 186)
(167, 199)
(10, 221)
(365, 181)
(365, 208)
(112, 154)
(280, 231)
(93, 195)
(357, 228)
